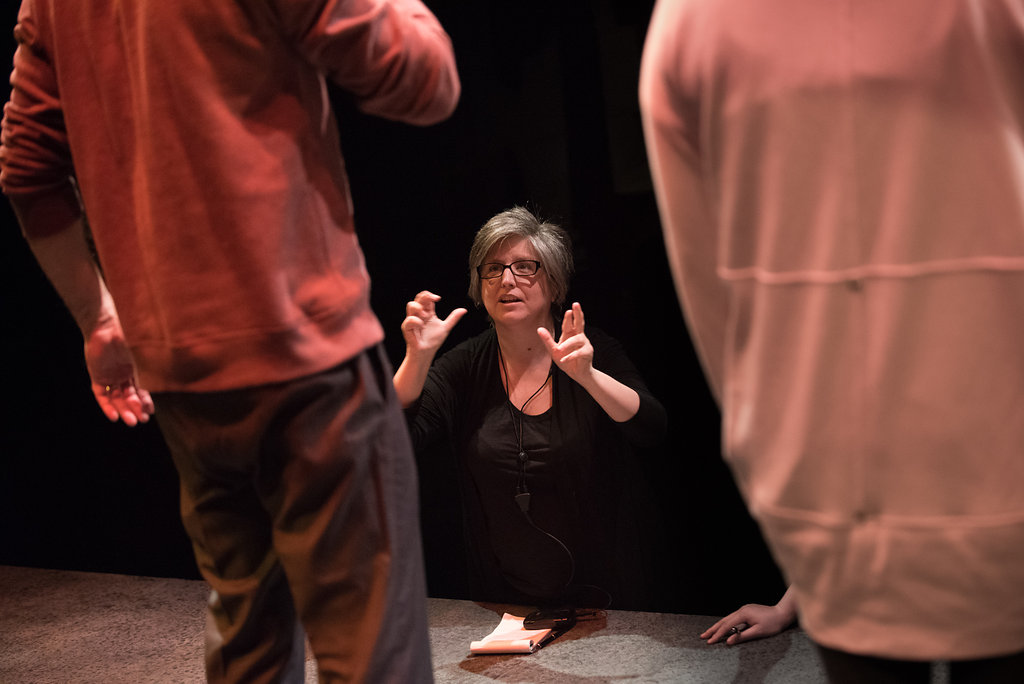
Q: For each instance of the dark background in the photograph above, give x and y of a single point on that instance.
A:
(548, 119)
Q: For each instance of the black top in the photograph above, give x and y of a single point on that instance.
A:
(585, 519)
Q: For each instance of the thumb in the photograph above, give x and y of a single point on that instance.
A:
(546, 338)
(454, 317)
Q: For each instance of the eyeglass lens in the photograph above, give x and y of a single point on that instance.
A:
(525, 267)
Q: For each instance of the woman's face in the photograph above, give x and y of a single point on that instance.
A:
(515, 299)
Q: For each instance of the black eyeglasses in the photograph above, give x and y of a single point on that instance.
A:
(523, 267)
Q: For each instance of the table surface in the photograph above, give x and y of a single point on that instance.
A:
(618, 646)
(64, 626)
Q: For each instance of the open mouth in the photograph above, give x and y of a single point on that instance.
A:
(509, 299)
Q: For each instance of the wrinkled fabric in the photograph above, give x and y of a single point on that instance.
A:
(201, 141)
(840, 186)
(197, 139)
(300, 501)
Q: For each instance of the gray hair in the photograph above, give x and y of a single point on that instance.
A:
(551, 242)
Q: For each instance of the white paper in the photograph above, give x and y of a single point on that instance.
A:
(510, 637)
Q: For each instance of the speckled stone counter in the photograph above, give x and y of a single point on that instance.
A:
(622, 646)
(90, 628)
(58, 626)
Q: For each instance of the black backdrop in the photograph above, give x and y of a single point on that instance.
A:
(549, 119)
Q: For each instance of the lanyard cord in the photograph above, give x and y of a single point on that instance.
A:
(522, 496)
(522, 493)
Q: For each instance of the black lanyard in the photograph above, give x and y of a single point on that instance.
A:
(522, 493)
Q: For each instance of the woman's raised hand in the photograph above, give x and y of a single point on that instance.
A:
(573, 352)
(423, 331)
(574, 355)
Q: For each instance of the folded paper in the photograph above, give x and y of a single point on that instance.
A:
(510, 637)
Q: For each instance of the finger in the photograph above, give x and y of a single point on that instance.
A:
(412, 319)
(710, 630)
(722, 629)
(548, 340)
(567, 325)
(577, 312)
(720, 634)
(134, 405)
(577, 341)
(412, 324)
(572, 322)
(569, 356)
(454, 317)
(415, 308)
(125, 400)
(147, 402)
(128, 417)
(427, 300)
(105, 405)
(732, 634)
(748, 634)
(577, 346)
(117, 408)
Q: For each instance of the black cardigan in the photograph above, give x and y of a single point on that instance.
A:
(600, 512)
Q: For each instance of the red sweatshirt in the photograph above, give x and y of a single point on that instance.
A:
(206, 158)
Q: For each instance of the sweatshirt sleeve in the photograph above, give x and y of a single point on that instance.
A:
(671, 121)
(35, 161)
(392, 55)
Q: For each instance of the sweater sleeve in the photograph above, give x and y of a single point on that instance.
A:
(434, 416)
(647, 428)
(35, 161)
(671, 123)
(392, 55)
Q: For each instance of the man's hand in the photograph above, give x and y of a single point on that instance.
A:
(112, 371)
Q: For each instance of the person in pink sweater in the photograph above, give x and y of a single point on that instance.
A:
(840, 187)
(176, 170)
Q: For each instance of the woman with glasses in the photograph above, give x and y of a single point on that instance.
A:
(542, 415)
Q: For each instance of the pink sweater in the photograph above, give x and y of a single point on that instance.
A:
(841, 186)
(206, 156)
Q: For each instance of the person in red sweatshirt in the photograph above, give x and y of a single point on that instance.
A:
(176, 170)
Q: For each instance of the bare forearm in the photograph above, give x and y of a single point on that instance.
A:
(67, 262)
(410, 378)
